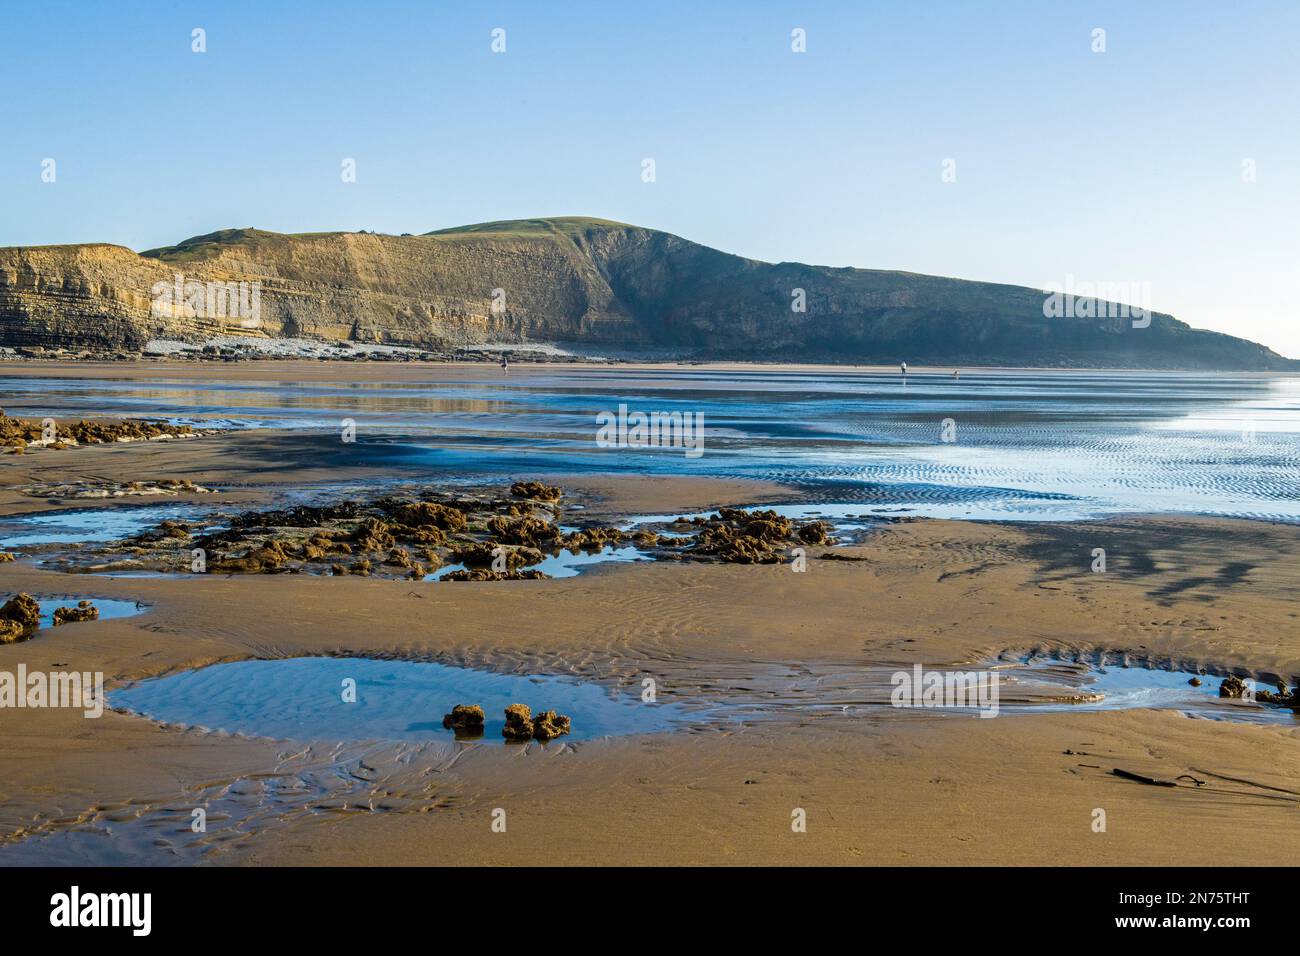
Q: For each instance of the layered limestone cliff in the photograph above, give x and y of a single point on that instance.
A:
(585, 282)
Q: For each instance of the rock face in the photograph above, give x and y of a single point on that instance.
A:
(589, 283)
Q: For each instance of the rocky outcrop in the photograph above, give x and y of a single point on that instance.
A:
(593, 284)
(84, 611)
(20, 617)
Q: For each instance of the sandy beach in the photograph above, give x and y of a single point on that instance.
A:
(878, 785)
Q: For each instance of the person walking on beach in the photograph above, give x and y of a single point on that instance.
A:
(903, 369)
(505, 363)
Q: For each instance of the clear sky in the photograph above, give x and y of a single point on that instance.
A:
(1122, 166)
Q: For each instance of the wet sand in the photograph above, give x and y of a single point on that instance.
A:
(878, 785)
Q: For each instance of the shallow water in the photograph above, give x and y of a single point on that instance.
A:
(107, 609)
(566, 564)
(1029, 445)
(303, 699)
(88, 524)
(1128, 688)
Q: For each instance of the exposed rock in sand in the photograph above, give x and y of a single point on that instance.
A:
(1232, 687)
(1283, 697)
(548, 725)
(519, 723)
(84, 611)
(465, 719)
(19, 618)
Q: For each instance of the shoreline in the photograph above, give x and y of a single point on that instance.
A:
(71, 367)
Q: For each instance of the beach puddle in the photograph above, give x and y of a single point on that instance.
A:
(566, 564)
(303, 699)
(1040, 685)
(80, 525)
(107, 609)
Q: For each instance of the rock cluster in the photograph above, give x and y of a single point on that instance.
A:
(752, 537)
(84, 611)
(19, 434)
(166, 487)
(522, 725)
(1233, 687)
(20, 617)
(495, 538)
(1283, 697)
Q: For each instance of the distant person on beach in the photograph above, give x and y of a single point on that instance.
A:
(956, 374)
(903, 368)
(505, 364)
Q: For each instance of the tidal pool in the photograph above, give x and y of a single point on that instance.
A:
(107, 609)
(566, 564)
(88, 524)
(1060, 685)
(305, 698)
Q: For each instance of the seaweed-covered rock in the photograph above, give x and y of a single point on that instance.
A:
(257, 560)
(487, 574)
(373, 535)
(548, 725)
(430, 514)
(525, 530)
(19, 433)
(536, 490)
(84, 611)
(593, 539)
(726, 543)
(519, 723)
(483, 555)
(814, 532)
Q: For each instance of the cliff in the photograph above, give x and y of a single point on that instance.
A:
(589, 283)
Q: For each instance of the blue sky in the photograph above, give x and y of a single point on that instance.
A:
(1123, 166)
